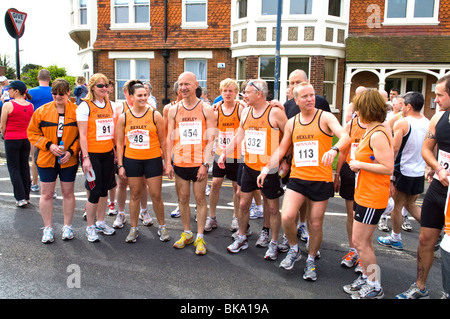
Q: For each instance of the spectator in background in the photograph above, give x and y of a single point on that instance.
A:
(39, 96)
(80, 90)
(204, 96)
(16, 115)
(151, 99)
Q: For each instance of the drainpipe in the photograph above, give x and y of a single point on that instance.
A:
(165, 54)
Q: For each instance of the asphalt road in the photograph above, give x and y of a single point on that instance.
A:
(150, 269)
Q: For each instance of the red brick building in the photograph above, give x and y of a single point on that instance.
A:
(154, 41)
(398, 44)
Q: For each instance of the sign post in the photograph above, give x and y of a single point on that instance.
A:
(15, 25)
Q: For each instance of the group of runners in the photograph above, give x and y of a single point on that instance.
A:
(255, 143)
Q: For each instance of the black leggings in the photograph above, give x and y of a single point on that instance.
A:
(103, 165)
(17, 155)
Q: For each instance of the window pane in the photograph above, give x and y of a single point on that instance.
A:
(424, 9)
(83, 16)
(298, 63)
(269, 7)
(242, 9)
(329, 70)
(196, 12)
(241, 69)
(199, 68)
(143, 70)
(121, 14)
(301, 7)
(123, 75)
(334, 8)
(267, 68)
(397, 8)
(328, 92)
(142, 14)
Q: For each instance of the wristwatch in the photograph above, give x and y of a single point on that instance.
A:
(206, 165)
(335, 148)
(119, 166)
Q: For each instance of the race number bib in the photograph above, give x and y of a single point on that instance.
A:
(255, 142)
(190, 133)
(139, 139)
(353, 150)
(225, 138)
(306, 153)
(444, 161)
(59, 132)
(105, 129)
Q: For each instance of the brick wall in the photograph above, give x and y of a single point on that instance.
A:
(215, 38)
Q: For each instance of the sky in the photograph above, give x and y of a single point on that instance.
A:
(46, 39)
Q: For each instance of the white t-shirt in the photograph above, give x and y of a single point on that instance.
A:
(83, 110)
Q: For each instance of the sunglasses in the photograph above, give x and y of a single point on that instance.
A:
(58, 93)
(101, 86)
(253, 84)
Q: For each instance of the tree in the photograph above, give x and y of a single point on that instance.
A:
(30, 77)
(10, 68)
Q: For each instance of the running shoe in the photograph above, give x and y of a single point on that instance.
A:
(248, 233)
(112, 209)
(184, 240)
(175, 213)
(350, 259)
(290, 259)
(234, 224)
(34, 188)
(200, 246)
(207, 190)
(358, 268)
(284, 245)
(91, 234)
(133, 235)
(67, 232)
(211, 223)
(238, 245)
(55, 195)
(119, 221)
(406, 223)
(355, 285)
(382, 224)
(368, 292)
(145, 217)
(255, 212)
(272, 251)
(414, 292)
(263, 240)
(310, 273)
(163, 234)
(101, 227)
(47, 236)
(389, 242)
(21, 203)
(302, 232)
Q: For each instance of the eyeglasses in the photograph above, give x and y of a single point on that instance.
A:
(101, 86)
(58, 93)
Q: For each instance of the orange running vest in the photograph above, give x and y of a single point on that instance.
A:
(141, 135)
(371, 190)
(228, 126)
(261, 139)
(309, 144)
(100, 132)
(189, 139)
(356, 133)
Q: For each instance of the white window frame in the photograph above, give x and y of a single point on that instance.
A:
(300, 14)
(80, 9)
(132, 57)
(410, 19)
(196, 24)
(131, 25)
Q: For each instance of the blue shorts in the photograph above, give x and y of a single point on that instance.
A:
(49, 174)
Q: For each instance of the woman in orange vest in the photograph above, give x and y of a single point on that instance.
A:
(140, 141)
(52, 125)
(373, 165)
(96, 126)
